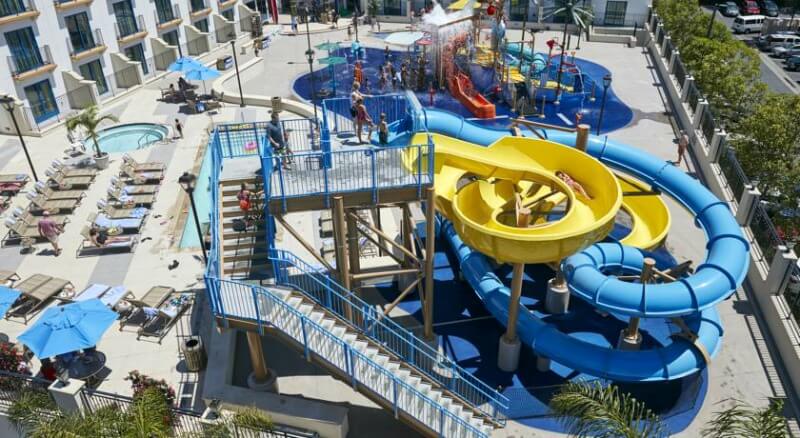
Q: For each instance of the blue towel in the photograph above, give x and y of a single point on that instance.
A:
(104, 221)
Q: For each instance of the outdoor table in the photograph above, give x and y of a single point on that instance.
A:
(87, 366)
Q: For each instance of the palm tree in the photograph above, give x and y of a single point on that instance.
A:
(573, 14)
(590, 409)
(744, 421)
(89, 120)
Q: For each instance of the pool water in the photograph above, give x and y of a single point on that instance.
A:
(129, 137)
(202, 199)
(615, 115)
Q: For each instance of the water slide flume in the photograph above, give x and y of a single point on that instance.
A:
(691, 298)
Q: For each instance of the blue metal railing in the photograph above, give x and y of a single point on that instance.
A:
(350, 171)
(318, 285)
(249, 139)
(250, 302)
(213, 268)
(336, 111)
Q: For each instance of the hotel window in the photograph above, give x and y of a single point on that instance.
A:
(24, 49)
(93, 71)
(40, 97)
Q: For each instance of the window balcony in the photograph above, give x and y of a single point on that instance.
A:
(12, 11)
(224, 4)
(66, 5)
(129, 29)
(35, 62)
(168, 18)
(90, 45)
(198, 9)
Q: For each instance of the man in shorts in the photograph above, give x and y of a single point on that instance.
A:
(278, 141)
(50, 230)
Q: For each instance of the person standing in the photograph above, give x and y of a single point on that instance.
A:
(683, 145)
(179, 128)
(294, 24)
(49, 229)
(355, 96)
(363, 118)
(278, 141)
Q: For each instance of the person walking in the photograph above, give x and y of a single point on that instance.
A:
(683, 145)
(49, 229)
(179, 128)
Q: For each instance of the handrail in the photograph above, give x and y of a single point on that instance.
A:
(394, 337)
(345, 358)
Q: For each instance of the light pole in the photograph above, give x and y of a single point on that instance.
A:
(238, 78)
(567, 13)
(9, 104)
(606, 84)
(711, 23)
(355, 21)
(310, 55)
(187, 182)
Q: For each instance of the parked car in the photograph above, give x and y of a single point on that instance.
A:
(786, 51)
(768, 8)
(793, 63)
(767, 42)
(748, 23)
(749, 7)
(728, 9)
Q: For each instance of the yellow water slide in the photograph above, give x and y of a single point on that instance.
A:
(481, 189)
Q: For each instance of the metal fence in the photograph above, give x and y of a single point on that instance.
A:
(765, 234)
(668, 48)
(733, 172)
(693, 96)
(679, 70)
(337, 117)
(249, 139)
(708, 125)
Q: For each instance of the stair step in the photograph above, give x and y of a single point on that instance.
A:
(306, 309)
(329, 325)
(360, 346)
(294, 302)
(349, 338)
(238, 258)
(371, 352)
(244, 268)
(249, 234)
(316, 316)
(236, 182)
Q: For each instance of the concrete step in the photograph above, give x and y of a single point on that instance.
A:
(237, 181)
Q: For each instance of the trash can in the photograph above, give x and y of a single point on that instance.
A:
(277, 105)
(194, 353)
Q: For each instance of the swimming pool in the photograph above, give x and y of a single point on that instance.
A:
(129, 137)
(202, 200)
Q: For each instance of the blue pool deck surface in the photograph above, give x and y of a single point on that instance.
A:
(129, 137)
(615, 115)
(202, 199)
(469, 334)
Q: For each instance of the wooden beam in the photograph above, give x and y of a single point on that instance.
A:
(341, 249)
(378, 244)
(647, 273)
(400, 297)
(385, 237)
(375, 274)
(353, 248)
(430, 239)
(260, 371)
(518, 272)
(304, 244)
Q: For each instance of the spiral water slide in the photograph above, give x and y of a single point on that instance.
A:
(477, 229)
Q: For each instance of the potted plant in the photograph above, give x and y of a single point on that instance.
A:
(90, 120)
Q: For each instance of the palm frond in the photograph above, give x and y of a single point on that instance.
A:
(743, 421)
(589, 409)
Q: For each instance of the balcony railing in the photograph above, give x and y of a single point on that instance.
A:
(35, 59)
(127, 26)
(166, 15)
(10, 8)
(94, 40)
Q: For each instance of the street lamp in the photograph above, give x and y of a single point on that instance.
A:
(9, 104)
(238, 78)
(355, 21)
(187, 182)
(310, 56)
(606, 84)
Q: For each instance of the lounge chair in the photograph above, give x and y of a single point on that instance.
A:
(134, 189)
(113, 212)
(18, 230)
(52, 194)
(121, 244)
(121, 198)
(127, 225)
(110, 296)
(8, 277)
(58, 179)
(142, 167)
(154, 298)
(12, 184)
(32, 221)
(141, 177)
(39, 204)
(37, 290)
(73, 171)
(158, 325)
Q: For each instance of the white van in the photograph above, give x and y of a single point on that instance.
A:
(748, 23)
(769, 42)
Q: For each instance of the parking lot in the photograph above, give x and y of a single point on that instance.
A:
(773, 73)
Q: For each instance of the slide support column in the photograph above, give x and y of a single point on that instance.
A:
(630, 338)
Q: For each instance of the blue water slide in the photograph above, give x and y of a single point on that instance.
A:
(693, 297)
(539, 60)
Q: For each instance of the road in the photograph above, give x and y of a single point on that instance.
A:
(773, 73)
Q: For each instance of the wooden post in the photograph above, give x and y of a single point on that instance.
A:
(376, 219)
(430, 237)
(408, 234)
(647, 272)
(339, 233)
(257, 356)
(582, 136)
(518, 272)
(353, 250)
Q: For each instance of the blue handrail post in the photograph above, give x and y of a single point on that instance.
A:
(351, 366)
(441, 421)
(305, 338)
(394, 398)
(255, 131)
(374, 177)
(419, 171)
(326, 159)
(283, 188)
(431, 158)
(257, 313)
(228, 140)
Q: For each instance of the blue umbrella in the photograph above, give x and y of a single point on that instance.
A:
(68, 328)
(184, 64)
(202, 73)
(8, 297)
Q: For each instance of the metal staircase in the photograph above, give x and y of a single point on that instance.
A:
(243, 254)
(378, 357)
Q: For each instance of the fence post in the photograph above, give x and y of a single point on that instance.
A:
(687, 84)
(667, 40)
(653, 19)
(69, 396)
(718, 140)
(659, 31)
(747, 205)
(780, 270)
(672, 59)
(702, 106)
(228, 139)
